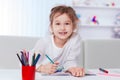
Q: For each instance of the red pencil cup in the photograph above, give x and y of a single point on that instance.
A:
(28, 72)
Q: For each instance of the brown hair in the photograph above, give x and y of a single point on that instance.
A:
(64, 9)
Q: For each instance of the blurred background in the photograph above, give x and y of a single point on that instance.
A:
(26, 17)
(31, 17)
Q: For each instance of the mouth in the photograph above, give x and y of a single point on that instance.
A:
(62, 33)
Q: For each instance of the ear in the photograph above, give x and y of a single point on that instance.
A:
(50, 29)
(75, 29)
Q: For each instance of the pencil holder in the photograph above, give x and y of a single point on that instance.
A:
(28, 72)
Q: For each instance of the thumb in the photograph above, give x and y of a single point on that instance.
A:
(56, 62)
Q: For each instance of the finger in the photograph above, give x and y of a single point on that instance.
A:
(82, 72)
(77, 74)
(56, 62)
(54, 68)
(52, 71)
(54, 65)
(73, 73)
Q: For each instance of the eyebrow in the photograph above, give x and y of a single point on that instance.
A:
(65, 21)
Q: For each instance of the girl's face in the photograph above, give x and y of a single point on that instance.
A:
(62, 26)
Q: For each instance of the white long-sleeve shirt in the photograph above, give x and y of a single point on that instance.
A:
(66, 56)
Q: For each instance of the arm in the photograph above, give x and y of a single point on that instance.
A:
(48, 68)
(71, 63)
(43, 66)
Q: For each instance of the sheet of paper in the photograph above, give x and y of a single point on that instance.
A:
(57, 74)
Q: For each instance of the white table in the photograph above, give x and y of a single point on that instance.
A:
(14, 74)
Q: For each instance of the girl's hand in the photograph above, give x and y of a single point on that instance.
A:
(48, 68)
(76, 71)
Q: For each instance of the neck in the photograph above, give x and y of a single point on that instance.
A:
(59, 42)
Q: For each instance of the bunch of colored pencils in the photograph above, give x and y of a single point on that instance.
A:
(24, 59)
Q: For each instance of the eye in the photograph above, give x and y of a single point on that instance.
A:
(57, 23)
(67, 23)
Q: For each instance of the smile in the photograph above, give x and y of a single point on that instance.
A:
(62, 33)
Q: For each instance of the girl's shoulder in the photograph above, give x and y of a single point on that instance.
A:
(75, 36)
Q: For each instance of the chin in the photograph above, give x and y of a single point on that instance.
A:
(63, 38)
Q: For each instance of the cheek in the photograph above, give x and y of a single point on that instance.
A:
(70, 28)
(54, 29)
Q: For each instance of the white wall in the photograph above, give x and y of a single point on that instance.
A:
(26, 17)
(102, 53)
(10, 46)
(31, 18)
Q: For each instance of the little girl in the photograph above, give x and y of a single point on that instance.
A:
(63, 45)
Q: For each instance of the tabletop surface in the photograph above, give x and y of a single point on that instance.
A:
(15, 74)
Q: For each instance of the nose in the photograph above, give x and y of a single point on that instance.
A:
(63, 27)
